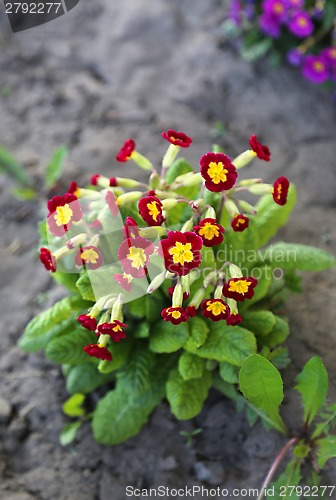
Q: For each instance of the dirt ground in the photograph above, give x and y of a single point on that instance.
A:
(110, 70)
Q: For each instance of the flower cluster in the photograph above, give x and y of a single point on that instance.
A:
(305, 30)
(146, 241)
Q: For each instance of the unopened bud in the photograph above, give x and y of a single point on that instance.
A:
(247, 207)
(218, 292)
(197, 298)
(192, 180)
(235, 271)
(177, 296)
(232, 305)
(181, 178)
(141, 161)
(210, 278)
(156, 282)
(187, 226)
(210, 213)
(152, 232)
(244, 159)
(231, 207)
(170, 155)
(260, 189)
(127, 183)
(185, 282)
(126, 198)
(154, 180)
(169, 203)
(250, 182)
(166, 194)
(117, 310)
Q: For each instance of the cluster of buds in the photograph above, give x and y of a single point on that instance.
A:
(147, 251)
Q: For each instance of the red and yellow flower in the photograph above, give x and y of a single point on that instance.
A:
(113, 329)
(280, 190)
(88, 322)
(240, 289)
(134, 255)
(240, 223)
(112, 203)
(175, 315)
(89, 256)
(126, 150)
(124, 280)
(234, 319)
(191, 311)
(131, 228)
(63, 211)
(260, 150)
(211, 233)
(181, 252)
(171, 292)
(98, 351)
(218, 172)
(177, 138)
(47, 259)
(150, 209)
(215, 309)
(74, 189)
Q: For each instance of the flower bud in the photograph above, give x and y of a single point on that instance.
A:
(166, 194)
(218, 292)
(123, 199)
(141, 161)
(156, 282)
(231, 207)
(191, 180)
(177, 296)
(247, 207)
(244, 159)
(154, 180)
(170, 155)
(210, 214)
(187, 226)
(250, 182)
(210, 278)
(197, 298)
(127, 183)
(185, 282)
(152, 232)
(235, 271)
(260, 189)
(116, 313)
(169, 203)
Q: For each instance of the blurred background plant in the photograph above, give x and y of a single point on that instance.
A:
(301, 32)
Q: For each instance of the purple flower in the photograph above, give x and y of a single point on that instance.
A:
(301, 25)
(329, 55)
(295, 57)
(234, 12)
(270, 25)
(315, 69)
(275, 8)
(295, 4)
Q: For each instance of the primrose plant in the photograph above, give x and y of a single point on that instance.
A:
(171, 285)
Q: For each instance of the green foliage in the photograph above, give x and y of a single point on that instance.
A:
(229, 373)
(312, 383)
(198, 333)
(85, 378)
(261, 323)
(69, 432)
(186, 397)
(328, 422)
(285, 486)
(167, 338)
(261, 384)
(325, 449)
(73, 406)
(190, 366)
(68, 349)
(55, 166)
(10, 167)
(301, 257)
(84, 287)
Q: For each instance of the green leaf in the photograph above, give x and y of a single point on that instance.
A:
(186, 397)
(73, 406)
(191, 366)
(279, 333)
(55, 167)
(261, 323)
(165, 337)
(261, 384)
(302, 449)
(85, 379)
(136, 377)
(264, 276)
(142, 331)
(137, 307)
(84, 287)
(325, 449)
(12, 168)
(270, 216)
(23, 193)
(329, 421)
(279, 357)
(312, 384)
(120, 354)
(284, 487)
(257, 50)
(293, 256)
(198, 333)
(69, 432)
(154, 303)
(228, 343)
(68, 349)
(229, 373)
(68, 280)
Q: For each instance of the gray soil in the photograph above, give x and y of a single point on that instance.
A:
(110, 70)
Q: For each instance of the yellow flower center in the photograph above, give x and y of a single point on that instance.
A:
(181, 253)
(318, 66)
(90, 256)
(278, 8)
(63, 215)
(240, 286)
(209, 231)
(137, 256)
(117, 328)
(128, 277)
(175, 314)
(240, 221)
(217, 172)
(216, 308)
(302, 21)
(153, 210)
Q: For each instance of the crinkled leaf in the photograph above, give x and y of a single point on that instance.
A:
(295, 256)
(136, 376)
(85, 379)
(190, 366)
(84, 287)
(186, 397)
(165, 337)
(261, 323)
(325, 450)
(262, 385)
(279, 333)
(68, 349)
(120, 354)
(229, 373)
(198, 333)
(312, 384)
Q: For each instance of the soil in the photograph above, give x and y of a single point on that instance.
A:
(103, 72)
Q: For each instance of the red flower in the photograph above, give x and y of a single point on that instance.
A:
(131, 228)
(211, 233)
(175, 315)
(74, 189)
(113, 329)
(89, 256)
(191, 311)
(98, 351)
(126, 151)
(234, 319)
(181, 251)
(171, 291)
(88, 322)
(177, 138)
(240, 288)
(215, 309)
(150, 209)
(261, 150)
(218, 171)
(112, 202)
(47, 259)
(240, 223)
(280, 190)
(113, 182)
(94, 179)
(134, 254)
(124, 281)
(63, 211)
